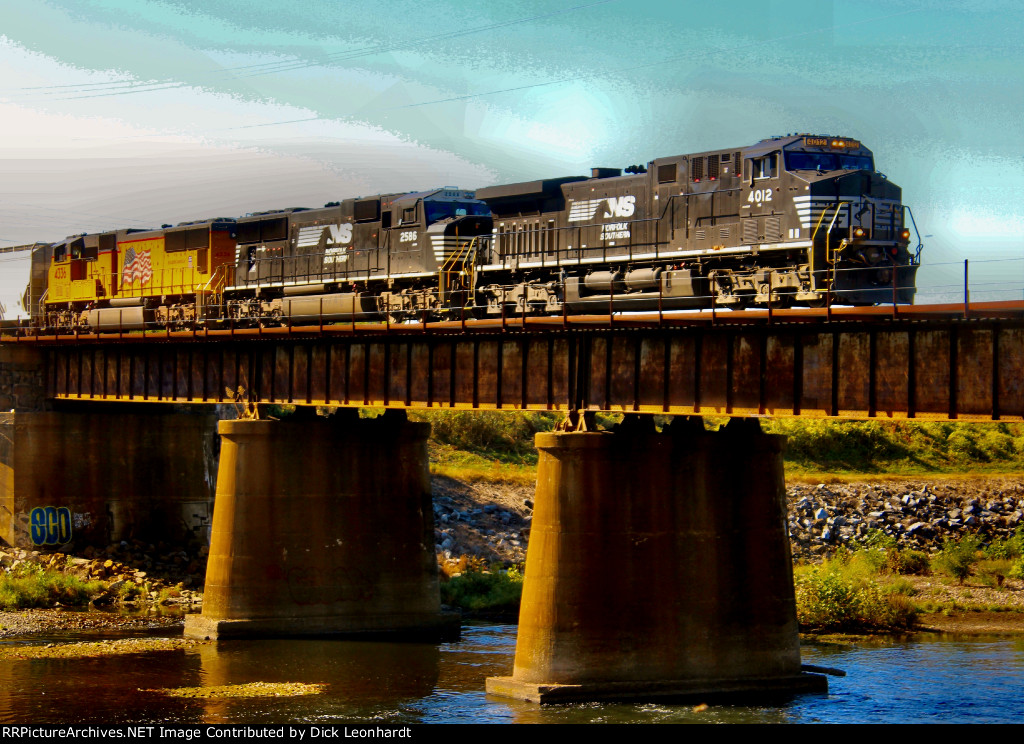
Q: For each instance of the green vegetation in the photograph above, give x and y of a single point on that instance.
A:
(479, 592)
(489, 445)
(957, 557)
(899, 447)
(906, 562)
(866, 589)
(1016, 569)
(863, 590)
(832, 598)
(31, 585)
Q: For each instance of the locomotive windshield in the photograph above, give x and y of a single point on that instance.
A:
(442, 210)
(827, 161)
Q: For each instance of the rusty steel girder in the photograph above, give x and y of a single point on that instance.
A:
(868, 365)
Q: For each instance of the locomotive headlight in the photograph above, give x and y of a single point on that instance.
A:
(859, 232)
(905, 234)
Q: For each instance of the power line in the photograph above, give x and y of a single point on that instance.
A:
(576, 78)
(268, 68)
(658, 63)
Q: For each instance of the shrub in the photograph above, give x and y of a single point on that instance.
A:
(877, 539)
(482, 592)
(489, 431)
(1011, 547)
(462, 564)
(957, 557)
(828, 600)
(993, 572)
(1017, 569)
(900, 586)
(857, 445)
(912, 562)
(31, 585)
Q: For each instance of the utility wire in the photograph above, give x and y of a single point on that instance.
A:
(268, 68)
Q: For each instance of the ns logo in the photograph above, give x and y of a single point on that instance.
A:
(622, 206)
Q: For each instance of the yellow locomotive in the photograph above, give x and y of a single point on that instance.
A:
(129, 279)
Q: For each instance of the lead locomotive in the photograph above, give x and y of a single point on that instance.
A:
(797, 220)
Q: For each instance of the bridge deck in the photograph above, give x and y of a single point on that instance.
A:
(926, 362)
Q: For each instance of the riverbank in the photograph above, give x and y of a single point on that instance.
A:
(489, 522)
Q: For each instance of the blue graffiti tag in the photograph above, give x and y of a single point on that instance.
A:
(51, 525)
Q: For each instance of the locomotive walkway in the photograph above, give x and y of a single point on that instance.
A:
(658, 563)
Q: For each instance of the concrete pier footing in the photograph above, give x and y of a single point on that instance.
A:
(658, 567)
(322, 527)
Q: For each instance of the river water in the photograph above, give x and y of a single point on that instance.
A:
(927, 679)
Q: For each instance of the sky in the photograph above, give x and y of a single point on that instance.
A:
(136, 113)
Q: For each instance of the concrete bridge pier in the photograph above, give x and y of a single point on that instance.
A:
(322, 526)
(658, 567)
(76, 476)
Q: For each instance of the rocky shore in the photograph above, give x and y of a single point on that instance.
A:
(492, 521)
(917, 514)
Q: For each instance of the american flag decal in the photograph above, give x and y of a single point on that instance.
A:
(136, 266)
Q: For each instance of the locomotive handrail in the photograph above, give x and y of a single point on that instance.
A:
(920, 243)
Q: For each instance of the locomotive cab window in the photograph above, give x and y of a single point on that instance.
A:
(274, 229)
(249, 232)
(409, 216)
(197, 239)
(442, 210)
(827, 161)
(766, 167)
(174, 241)
(367, 210)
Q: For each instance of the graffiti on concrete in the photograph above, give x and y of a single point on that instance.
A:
(50, 525)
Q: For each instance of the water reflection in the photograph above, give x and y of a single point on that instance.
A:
(890, 680)
(364, 679)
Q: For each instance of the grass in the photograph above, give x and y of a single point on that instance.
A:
(899, 448)
(31, 585)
